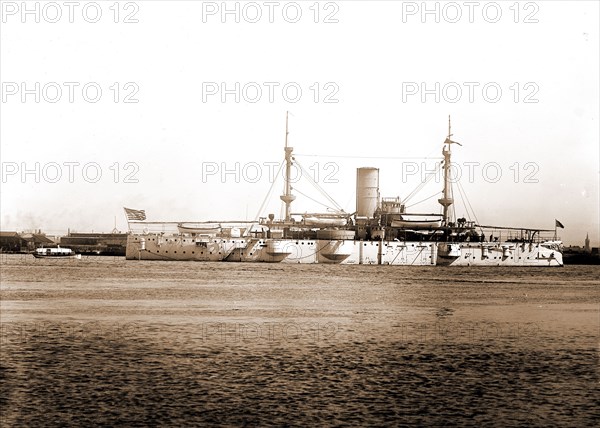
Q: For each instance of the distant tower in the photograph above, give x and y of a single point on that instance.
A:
(586, 247)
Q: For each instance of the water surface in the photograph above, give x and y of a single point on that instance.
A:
(104, 341)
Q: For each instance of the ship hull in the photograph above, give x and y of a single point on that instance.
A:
(304, 251)
(340, 251)
(501, 254)
(354, 252)
(182, 248)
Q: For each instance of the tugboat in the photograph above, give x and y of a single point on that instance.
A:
(56, 253)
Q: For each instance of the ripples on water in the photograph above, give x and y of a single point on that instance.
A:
(103, 341)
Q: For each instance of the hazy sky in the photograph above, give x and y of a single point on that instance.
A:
(377, 80)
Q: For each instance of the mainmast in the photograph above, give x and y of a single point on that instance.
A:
(447, 200)
(287, 196)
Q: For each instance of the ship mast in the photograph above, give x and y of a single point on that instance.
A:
(447, 200)
(287, 196)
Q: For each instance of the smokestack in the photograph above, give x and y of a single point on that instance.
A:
(367, 191)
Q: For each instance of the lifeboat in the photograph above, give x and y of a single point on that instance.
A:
(199, 228)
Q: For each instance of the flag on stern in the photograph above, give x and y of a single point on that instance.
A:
(135, 215)
(558, 224)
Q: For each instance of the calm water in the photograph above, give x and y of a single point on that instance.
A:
(104, 341)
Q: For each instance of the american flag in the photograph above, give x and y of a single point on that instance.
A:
(135, 215)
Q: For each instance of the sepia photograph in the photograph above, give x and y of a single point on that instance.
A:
(299, 213)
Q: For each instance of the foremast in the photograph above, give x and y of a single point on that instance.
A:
(287, 196)
(446, 201)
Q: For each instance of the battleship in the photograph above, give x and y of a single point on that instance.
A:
(380, 231)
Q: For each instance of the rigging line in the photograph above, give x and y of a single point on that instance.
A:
(462, 198)
(452, 197)
(416, 189)
(417, 203)
(312, 199)
(470, 206)
(316, 186)
(423, 183)
(269, 193)
(467, 204)
(370, 157)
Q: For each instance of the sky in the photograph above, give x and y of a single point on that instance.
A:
(179, 108)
